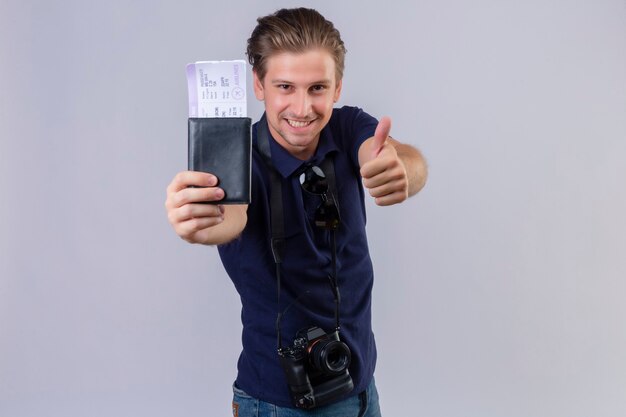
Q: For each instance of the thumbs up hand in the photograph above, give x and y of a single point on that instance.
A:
(382, 170)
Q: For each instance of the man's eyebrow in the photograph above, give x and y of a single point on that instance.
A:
(277, 81)
(323, 82)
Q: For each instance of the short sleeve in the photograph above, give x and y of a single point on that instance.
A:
(356, 127)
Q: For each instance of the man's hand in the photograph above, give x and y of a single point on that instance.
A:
(382, 169)
(201, 223)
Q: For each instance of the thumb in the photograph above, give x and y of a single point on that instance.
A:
(380, 135)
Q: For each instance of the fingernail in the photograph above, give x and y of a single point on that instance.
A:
(212, 180)
(221, 208)
(219, 193)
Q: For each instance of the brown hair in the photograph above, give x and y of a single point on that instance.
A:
(293, 30)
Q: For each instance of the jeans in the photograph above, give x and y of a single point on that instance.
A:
(364, 404)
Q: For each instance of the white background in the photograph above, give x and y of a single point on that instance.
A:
(499, 289)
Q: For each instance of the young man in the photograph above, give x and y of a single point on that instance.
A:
(298, 59)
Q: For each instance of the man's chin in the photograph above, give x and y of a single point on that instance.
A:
(299, 142)
(298, 139)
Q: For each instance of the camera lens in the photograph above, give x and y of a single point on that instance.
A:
(330, 357)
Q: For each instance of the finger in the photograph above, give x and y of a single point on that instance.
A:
(186, 179)
(189, 211)
(391, 199)
(380, 135)
(371, 171)
(386, 161)
(383, 176)
(388, 188)
(373, 168)
(191, 226)
(196, 195)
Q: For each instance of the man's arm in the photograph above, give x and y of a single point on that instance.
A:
(392, 171)
(208, 224)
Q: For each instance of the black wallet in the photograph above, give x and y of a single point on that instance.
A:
(222, 147)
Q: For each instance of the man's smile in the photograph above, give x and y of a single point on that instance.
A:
(298, 123)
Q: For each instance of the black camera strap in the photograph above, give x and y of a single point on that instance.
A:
(277, 220)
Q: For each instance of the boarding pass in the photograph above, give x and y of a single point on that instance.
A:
(217, 88)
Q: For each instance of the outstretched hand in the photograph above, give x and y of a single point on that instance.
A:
(190, 220)
(208, 224)
(382, 170)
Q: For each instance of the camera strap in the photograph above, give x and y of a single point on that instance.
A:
(277, 219)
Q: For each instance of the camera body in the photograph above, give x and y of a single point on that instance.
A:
(316, 367)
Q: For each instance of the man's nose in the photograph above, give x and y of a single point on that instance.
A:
(302, 104)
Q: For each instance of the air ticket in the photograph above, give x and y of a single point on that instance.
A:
(217, 88)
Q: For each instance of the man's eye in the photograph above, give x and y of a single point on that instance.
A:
(318, 88)
(284, 86)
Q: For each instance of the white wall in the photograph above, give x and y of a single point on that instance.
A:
(498, 289)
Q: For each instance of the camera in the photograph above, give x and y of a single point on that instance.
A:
(316, 367)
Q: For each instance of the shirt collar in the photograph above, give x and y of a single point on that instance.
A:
(285, 163)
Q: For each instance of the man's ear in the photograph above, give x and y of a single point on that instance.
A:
(259, 92)
(338, 90)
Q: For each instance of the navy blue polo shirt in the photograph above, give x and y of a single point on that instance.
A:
(307, 262)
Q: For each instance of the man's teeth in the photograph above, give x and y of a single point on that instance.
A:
(295, 123)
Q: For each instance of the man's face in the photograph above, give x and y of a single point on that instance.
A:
(299, 91)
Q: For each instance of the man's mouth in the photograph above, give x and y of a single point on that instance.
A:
(297, 123)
